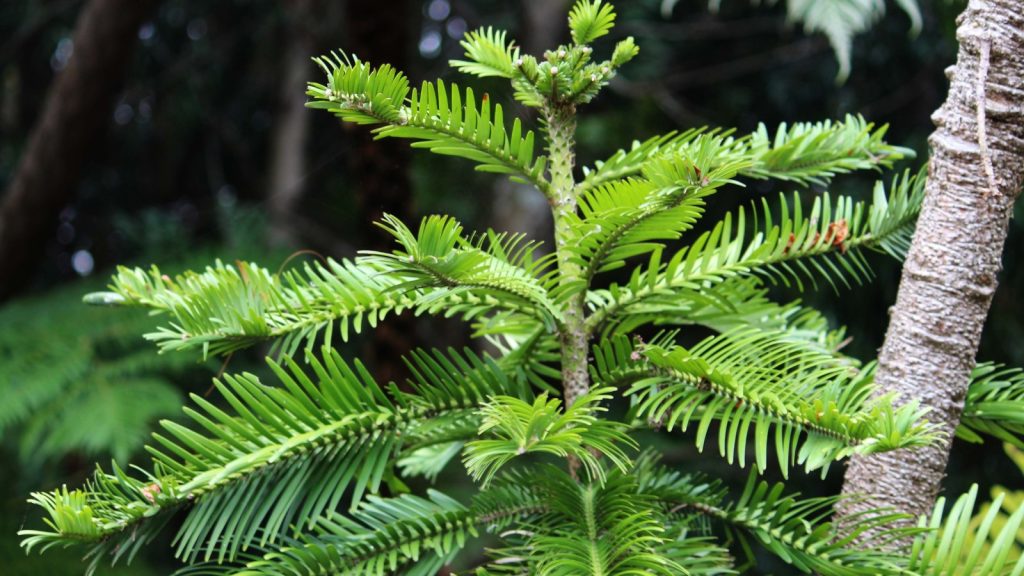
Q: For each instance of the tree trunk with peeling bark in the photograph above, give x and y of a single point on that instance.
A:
(76, 111)
(950, 275)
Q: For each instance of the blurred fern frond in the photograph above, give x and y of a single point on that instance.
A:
(76, 378)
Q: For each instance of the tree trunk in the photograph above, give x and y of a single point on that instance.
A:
(77, 110)
(288, 146)
(975, 174)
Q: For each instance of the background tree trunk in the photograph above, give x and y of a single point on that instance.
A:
(76, 111)
(291, 126)
(975, 174)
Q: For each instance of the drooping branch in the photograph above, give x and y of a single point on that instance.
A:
(950, 273)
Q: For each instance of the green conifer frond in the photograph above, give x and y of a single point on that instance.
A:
(812, 409)
(500, 273)
(814, 153)
(520, 428)
(597, 529)
(296, 450)
(76, 517)
(826, 245)
(487, 54)
(287, 478)
(697, 555)
(532, 354)
(625, 164)
(956, 545)
(589, 20)
(744, 302)
(805, 153)
(794, 529)
(994, 405)
(227, 308)
(443, 119)
(407, 534)
(410, 534)
(633, 216)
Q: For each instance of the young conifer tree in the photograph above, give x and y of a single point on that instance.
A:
(305, 475)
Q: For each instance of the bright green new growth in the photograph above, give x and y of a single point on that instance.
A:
(305, 475)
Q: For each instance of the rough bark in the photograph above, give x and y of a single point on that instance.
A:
(288, 146)
(77, 109)
(561, 130)
(975, 174)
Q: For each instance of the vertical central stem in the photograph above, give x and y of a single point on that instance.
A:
(561, 126)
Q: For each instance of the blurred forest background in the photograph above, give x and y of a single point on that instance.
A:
(201, 149)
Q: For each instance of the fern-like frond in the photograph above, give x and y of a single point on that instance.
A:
(763, 388)
(106, 416)
(280, 459)
(589, 20)
(795, 529)
(814, 153)
(596, 529)
(994, 405)
(78, 379)
(956, 545)
(226, 308)
(826, 245)
(805, 153)
(407, 534)
(631, 217)
(443, 119)
(744, 302)
(439, 259)
(429, 461)
(841, 20)
(487, 54)
(520, 427)
(437, 271)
